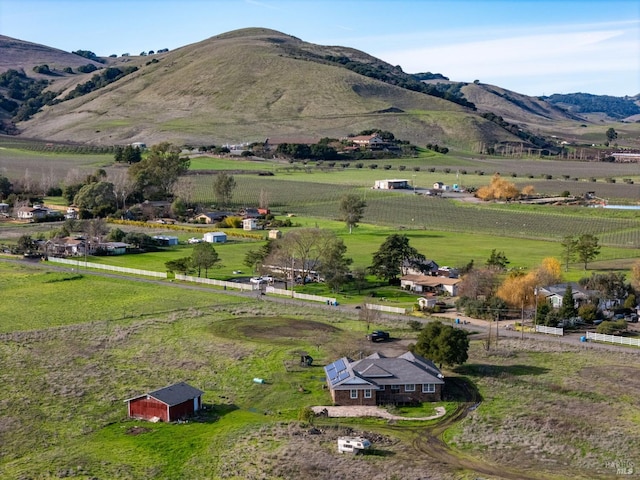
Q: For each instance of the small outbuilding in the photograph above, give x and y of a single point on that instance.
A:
(250, 224)
(167, 404)
(393, 184)
(275, 234)
(166, 240)
(215, 237)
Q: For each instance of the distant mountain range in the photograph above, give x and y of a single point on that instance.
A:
(250, 84)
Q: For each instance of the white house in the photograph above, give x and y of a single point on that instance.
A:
(215, 237)
(426, 283)
(28, 213)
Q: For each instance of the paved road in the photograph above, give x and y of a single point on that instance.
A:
(479, 327)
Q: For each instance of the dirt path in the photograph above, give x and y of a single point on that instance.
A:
(370, 411)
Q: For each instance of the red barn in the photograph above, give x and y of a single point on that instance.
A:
(168, 404)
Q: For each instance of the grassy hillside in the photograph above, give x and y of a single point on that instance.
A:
(249, 85)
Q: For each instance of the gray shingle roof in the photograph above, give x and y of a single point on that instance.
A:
(176, 394)
(378, 370)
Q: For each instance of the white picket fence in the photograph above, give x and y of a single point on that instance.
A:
(601, 337)
(385, 308)
(549, 330)
(219, 283)
(111, 268)
(301, 296)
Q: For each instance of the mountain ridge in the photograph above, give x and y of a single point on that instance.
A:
(248, 84)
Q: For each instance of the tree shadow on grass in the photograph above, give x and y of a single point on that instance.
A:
(484, 370)
(211, 413)
(461, 389)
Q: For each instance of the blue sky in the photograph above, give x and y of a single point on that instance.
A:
(532, 47)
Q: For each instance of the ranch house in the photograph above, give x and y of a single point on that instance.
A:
(430, 284)
(380, 380)
(167, 404)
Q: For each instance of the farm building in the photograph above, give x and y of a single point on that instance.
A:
(167, 404)
(427, 302)
(212, 217)
(28, 213)
(393, 184)
(380, 380)
(250, 224)
(275, 234)
(166, 240)
(215, 237)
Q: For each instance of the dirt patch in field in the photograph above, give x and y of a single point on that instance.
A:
(613, 380)
(273, 328)
(137, 430)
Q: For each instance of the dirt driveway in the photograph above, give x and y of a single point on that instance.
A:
(370, 411)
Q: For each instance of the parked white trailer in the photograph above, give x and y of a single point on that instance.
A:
(353, 444)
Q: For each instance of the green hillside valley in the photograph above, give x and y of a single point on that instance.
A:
(257, 257)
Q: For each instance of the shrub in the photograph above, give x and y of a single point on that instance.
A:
(416, 169)
(359, 165)
(402, 168)
(415, 325)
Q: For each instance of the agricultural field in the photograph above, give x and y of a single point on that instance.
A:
(67, 381)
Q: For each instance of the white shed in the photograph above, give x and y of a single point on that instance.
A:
(215, 237)
(250, 224)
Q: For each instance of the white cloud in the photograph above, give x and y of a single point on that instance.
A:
(604, 51)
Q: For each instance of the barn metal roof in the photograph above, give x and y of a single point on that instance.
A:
(173, 394)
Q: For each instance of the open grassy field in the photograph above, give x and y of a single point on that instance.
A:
(62, 412)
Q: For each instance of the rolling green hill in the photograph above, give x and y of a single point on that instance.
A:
(250, 84)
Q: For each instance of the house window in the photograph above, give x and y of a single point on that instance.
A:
(367, 393)
(410, 387)
(428, 388)
(395, 388)
(353, 394)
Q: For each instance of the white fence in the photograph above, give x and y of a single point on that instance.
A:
(385, 308)
(111, 268)
(600, 337)
(301, 296)
(549, 330)
(219, 283)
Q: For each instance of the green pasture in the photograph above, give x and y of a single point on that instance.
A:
(36, 299)
(534, 395)
(17, 163)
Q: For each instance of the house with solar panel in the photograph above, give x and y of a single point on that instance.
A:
(380, 380)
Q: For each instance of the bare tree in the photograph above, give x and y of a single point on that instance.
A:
(123, 186)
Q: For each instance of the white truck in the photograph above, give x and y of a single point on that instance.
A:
(353, 444)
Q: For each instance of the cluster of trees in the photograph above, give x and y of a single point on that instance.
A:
(395, 76)
(204, 256)
(308, 251)
(99, 80)
(89, 54)
(616, 107)
(127, 154)
(28, 92)
(437, 148)
(533, 139)
(584, 248)
(156, 174)
(298, 151)
(502, 189)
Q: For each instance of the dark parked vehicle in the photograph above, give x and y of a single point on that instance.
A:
(378, 336)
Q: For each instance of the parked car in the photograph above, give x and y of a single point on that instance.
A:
(195, 240)
(378, 336)
(257, 280)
